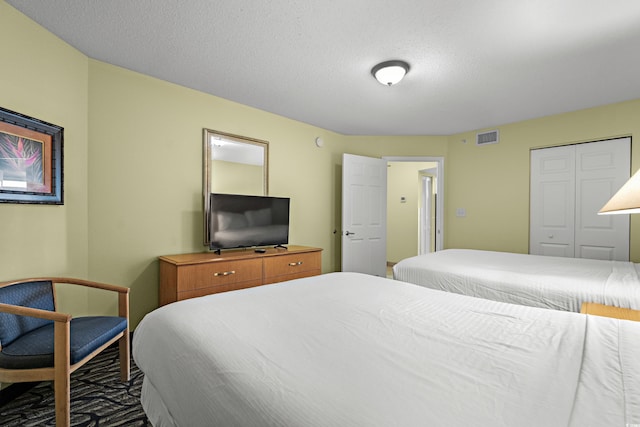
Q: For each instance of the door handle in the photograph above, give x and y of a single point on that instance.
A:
(348, 233)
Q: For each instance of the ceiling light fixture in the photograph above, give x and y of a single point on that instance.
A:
(390, 72)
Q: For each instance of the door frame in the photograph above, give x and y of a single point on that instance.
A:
(439, 191)
(424, 228)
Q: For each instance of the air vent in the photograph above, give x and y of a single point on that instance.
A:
(485, 138)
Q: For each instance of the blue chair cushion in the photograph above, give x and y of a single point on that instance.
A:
(35, 348)
(28, 294)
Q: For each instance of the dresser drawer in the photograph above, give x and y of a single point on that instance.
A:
(217, 289)
(223, 274)
(294, 265)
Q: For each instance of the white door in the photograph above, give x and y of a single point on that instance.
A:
(552, 201)
(569, 185)
(364, 215)
(601, 169)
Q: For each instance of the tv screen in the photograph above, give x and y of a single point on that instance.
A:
(240, 221)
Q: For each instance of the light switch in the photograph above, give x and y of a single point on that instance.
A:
(461, 212)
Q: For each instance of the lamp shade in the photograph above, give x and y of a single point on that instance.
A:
(390, 72)
(626, 200)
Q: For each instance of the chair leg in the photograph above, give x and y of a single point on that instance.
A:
(123, 344)
(125, 356)
(62, 393)
(62, 375)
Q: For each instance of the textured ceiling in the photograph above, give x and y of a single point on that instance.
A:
(474, 64)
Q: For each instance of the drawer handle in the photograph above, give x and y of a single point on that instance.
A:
(295, 264)
(224, 273)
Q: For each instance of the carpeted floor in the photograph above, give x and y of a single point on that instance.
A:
(98, 398)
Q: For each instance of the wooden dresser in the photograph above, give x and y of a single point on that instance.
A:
(192, 275)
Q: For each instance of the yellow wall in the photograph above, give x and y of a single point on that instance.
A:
(145, 160)
(45, 78)
(133, 169)
(492, 182)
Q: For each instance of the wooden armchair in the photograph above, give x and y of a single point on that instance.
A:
(37, 343)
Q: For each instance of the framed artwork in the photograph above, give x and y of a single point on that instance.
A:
(31, 160)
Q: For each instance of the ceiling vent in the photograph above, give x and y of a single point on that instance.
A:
(485, 138)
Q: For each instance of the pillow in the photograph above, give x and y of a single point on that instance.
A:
(231, 221)
(259, 218)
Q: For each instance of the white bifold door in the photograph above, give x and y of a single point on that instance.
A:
(569, 185)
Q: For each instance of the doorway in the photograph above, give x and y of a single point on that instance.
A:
(427, 215)
(415, 208)
(365, 231)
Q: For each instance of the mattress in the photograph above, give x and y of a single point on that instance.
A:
(533, 280)
(347, 349)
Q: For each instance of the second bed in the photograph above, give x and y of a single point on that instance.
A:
(532, 280)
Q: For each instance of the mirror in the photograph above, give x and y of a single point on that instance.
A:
(233, 165)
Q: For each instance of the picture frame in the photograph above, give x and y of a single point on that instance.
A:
(31, 160)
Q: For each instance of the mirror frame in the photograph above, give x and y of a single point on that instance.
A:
(206, 168)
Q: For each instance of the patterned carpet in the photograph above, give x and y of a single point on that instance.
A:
(98, 398)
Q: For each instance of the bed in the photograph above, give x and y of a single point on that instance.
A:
(533, 280)
(348, 349)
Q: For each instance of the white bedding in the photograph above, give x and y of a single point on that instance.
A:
(534, 280)
(346, 349)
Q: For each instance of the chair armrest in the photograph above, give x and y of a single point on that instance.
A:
(90, 284)
(35, 312)
(72, 281)
(123, 292)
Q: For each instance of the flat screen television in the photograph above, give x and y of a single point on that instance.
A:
(241, 221)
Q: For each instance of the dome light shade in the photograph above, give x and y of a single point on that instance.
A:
(390, 72)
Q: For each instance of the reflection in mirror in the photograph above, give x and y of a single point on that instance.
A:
(233, 165)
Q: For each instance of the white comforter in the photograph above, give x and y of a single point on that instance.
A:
(347, 349)
(534, 280)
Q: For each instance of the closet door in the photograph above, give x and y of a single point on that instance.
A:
(552, 207)
(569, 185)
(601, 169)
